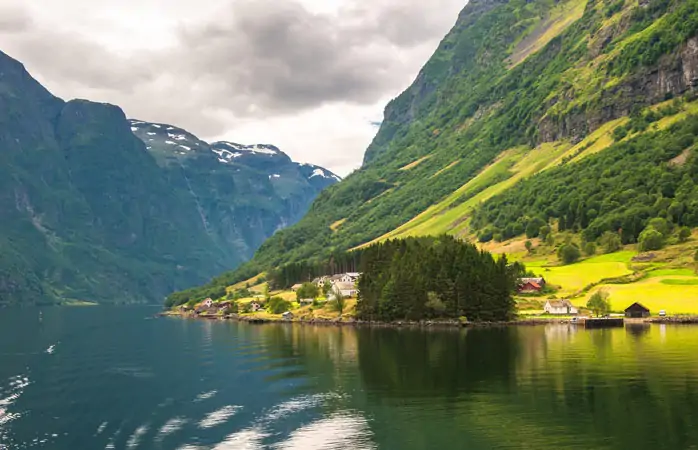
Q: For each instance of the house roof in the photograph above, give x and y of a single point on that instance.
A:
(637, 306)
(561, 303)
(296, 286)
(353, 274)
(538, 280)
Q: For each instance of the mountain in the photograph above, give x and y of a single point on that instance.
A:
(572, 112)
(96, 207)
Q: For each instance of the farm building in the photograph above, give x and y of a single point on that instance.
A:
(636, 310)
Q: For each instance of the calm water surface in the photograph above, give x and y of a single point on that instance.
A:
(98, 378)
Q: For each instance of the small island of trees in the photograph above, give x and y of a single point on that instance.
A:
(421, 278)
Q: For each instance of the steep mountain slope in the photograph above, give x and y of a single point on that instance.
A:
(88, 212)
(243, 193)
(516, 88)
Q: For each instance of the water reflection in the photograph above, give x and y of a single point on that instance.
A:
(638, 330)
(174, 384)
(556, 387)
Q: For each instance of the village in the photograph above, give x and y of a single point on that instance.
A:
(326, 297)
(333, 298)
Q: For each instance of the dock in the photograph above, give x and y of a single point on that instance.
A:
(602, 322)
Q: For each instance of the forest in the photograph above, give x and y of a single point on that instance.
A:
(602, 193)
(422, 278)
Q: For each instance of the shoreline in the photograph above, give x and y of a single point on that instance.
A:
(434, 324)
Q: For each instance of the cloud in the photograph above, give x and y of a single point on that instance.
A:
(244, 61)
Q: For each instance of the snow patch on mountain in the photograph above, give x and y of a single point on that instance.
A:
(254, 149)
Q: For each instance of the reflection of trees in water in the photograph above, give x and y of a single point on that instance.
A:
(554, 387)
(435, 363)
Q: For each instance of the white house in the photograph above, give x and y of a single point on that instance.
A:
(560, 307)
(288, 315)
(350, 277)
(346, 289)
(319, 281)
(255, 306)
(207, 303)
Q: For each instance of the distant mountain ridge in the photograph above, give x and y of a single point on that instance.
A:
(97, 207)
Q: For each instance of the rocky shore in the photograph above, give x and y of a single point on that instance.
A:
(350, 321)
(675, 320)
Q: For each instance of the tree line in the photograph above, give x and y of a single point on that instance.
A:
(421, 278)
(299, 272)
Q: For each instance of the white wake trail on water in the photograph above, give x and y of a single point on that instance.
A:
(8, 396)
(135, 438)
(205, 396)
(172, 425)
(219, 416)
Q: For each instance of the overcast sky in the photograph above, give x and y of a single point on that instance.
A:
(310, 76)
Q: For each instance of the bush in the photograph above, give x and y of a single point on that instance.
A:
(660, 224)
(684, 234)
(590, 249)
(533, 228)
(544, 232)
(651, 239)
(599, 303)
(550, 239)
(307, 290)
(610, 242)
(569, 253)
(278, 305)
(486, 235)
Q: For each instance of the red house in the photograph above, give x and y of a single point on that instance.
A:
(531, 285)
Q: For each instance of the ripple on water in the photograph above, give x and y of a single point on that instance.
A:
(205, 396)
(219, 416)
(135, 438)
(9, 395)
(298, 404)
(101, 428)
(171, 426)
(247, 439)
(339, 431)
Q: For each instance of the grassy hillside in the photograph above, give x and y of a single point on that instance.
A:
(518, 98)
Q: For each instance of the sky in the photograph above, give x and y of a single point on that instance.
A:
(309, 76)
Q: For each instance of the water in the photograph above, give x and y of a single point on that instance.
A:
(98, 378)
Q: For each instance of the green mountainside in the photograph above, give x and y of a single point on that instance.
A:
(89, 211)
(527, 109)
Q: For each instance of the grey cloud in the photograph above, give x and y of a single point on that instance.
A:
(13, 20)
(257, 58)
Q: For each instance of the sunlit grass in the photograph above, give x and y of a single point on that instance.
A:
(655, 294)
(574, 277)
